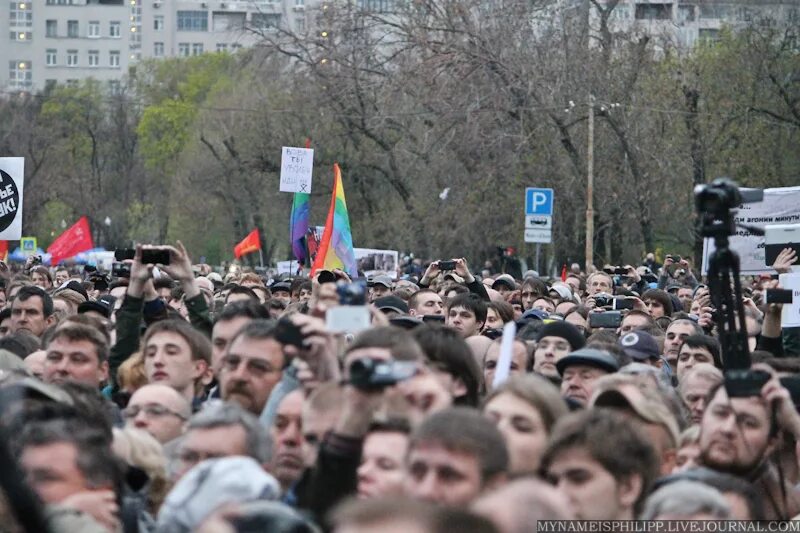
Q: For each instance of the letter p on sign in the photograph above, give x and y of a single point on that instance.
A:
(538, 201)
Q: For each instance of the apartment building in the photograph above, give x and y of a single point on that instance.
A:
(63, 41)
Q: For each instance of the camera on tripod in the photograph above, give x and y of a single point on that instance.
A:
(715, 202)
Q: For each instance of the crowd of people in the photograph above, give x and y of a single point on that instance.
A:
(178, 399)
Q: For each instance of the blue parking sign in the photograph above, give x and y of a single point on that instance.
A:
(538, 201)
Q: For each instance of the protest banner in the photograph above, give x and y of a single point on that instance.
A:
(12, 184)
(297, 165)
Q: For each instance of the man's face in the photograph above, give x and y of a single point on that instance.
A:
(61, 277)
(52, 471)
(685, 296)
(518, 358)
(40, 280)
(591, 489)
(493, 320)
(632, 322)
(734, 433)
(654, 308)
(287, 439)
(316, 423)
(211, 443)
(28, 316)
(527, 296)
(249, 371)
(282, 295)
(5, 327)
(445, 477)
(598, 284)
(381, 471)
(676, 333)
(544, 305)
(578, 381)
(68, 360)
(428, 303)
(575, 284)
(687, 457)
(221, 335)
(168, 360)
(689, 356)
(303, 295)
(694, 391)
(159, 410)
(464, 321)
(378, 291)
(548, 351)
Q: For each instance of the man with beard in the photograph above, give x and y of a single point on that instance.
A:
(739, 433)
(252, 366)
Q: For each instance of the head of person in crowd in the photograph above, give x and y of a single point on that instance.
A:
(580, 370)
(642, 403)
(158, 409)
(67, 301)
(635, 319)
(599, 283)
(521, 361)
(32, 310)
(66, 457)
(543, 303)
(252, 365)
(466, 313)
(641, 347)
(223, 430)
(498, 314)
(449, 357)
(658, 303)
(176, 354)
(381, 471)
(76, 352)
(675, 334)
(282, 290)
(688, 450)
(698, 349)
(695, 386)
(519, 505)
(301, 290)
(504, 284)
(454, 455)
(250, 280)
(397, 515)
(61, 276)
(425, 302)
(578, 316)
(240, 293)
(5, 322)
(385, 343)
(321, 411)
(530, 290)
(525, 409)
(131, 375)
(40, 276)
(685, 294)
(553, 342)
(686, 500)
(602, 462)
(286, 435)
(234, 316)
(138, 449)
(21, 344)
(737, 434)
(380, 286)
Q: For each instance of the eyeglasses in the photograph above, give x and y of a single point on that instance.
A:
(257, 367)
(150, 409)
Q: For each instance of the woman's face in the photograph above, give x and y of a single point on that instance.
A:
(381, 471)
(493, 320)
(522, 428)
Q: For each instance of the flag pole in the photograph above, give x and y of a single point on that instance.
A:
(261, 257)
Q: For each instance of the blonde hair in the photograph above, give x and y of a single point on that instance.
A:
(140, 449)
(130, 374)
(690, 435)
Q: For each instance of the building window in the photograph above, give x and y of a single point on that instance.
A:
(72, 29)
(222, 47)
(72, 58)
(94, 58)
(113, 29)
(300, 23)
(197, 49)
(94, 29)
(113, 59)
(51, 28)
(52, 57)
(236, 46)
(158, 22)
(21, 14)
(73, 83)
(114, 86)
(266, 20)
(21, 36)
(192, 20)
(158, 49)
(20, 74)
(183, 49)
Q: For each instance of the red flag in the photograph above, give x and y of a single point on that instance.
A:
(75, 240)
(564, 272)
(4, 251)
(251, 243)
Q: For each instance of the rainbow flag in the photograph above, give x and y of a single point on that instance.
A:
(298, 224)
(336, 246)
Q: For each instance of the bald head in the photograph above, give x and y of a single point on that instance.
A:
(517, 506)
(160, 410)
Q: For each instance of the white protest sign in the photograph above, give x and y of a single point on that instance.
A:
(780, 206)
(503, 368)
(296, 167)
(790, 314)
(12, 182)
(375, 262)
